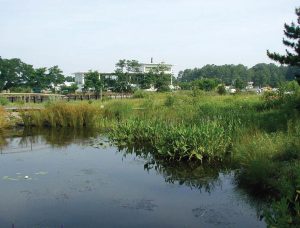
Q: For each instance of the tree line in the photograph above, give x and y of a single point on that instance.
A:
(261, 74)
(18, 76)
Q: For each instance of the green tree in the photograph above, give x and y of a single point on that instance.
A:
(221, 89)
(69, 79)
(93, 81)
(54, 76)
(261, 74)
(132, 66)
(14, 73)
(162, 82)
(292, 40)
(206, 84)
(38, 80)
(239, 83)
(69, 89)
(126, 70)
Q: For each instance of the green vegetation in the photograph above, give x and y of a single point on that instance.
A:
(257, 135)
(61, 114)
(261, 74)
(3, 101)
(94, 81)
(18, 76)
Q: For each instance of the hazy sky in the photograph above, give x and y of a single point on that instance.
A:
(78, 35)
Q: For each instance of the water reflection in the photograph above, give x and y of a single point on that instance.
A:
(191, 174)
(56, 137)
(83, 176)
(195, 175)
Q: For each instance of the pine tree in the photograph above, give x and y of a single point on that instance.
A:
(292, 33)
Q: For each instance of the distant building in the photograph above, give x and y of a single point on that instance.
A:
(79, 78)
(148, 67)
(143, 68)
(249, 86)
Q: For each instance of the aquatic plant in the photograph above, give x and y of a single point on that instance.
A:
(206, 141)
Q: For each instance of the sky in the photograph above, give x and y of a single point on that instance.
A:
(82, 35)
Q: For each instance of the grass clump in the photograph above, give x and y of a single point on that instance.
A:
(117, 110)
(3, 119)
(62, 114)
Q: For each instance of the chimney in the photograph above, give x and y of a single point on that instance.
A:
(151, 59)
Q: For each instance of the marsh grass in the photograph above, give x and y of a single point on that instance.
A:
(62, 114)
(4, 123)
(117, 110)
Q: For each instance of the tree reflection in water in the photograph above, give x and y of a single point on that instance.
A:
(56, 137)
(189, 173)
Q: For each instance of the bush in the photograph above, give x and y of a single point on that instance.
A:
(221, 89)
(272, 99)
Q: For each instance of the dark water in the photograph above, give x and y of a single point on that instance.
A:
(77, 179)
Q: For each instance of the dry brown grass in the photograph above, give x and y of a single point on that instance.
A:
(3, 118)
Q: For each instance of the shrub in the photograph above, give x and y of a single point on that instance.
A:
(221, 89)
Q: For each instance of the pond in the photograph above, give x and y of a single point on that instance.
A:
(78, 179)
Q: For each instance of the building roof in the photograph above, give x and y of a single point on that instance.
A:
(155, 64)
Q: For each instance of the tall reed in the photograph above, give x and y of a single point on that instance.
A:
(3, 119)
(62, 114)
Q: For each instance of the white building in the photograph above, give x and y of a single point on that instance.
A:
(79, 80)
(148, 67)
(249, 86)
